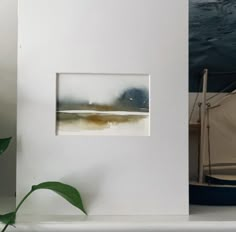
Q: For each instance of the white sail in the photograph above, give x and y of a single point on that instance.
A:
(222, 137)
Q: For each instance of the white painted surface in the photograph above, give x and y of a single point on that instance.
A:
(203, 218)
(8, 58)
(116, 176)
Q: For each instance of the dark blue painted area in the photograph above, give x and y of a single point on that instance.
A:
(134, 98)
(212, 43)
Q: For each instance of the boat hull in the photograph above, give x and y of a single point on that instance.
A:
(204, 194)
(220, 181)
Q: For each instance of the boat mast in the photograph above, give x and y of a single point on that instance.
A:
(203, 127)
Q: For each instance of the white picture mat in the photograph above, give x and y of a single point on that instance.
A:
(116, 176)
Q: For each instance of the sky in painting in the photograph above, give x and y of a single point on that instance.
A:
(97, 88)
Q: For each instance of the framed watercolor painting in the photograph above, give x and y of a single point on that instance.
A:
(103, 104)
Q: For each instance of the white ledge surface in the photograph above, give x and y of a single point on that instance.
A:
(200, 219)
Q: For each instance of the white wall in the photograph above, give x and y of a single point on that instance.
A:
(8, 57)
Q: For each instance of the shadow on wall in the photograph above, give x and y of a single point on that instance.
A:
(8, 74)
(90, 192)
(7, 129)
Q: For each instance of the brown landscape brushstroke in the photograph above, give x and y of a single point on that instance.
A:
(97, 121)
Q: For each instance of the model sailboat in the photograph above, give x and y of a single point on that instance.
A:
(216, 183)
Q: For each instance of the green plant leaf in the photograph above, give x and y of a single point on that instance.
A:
(8, 218)
(4, 144)
(68, 192)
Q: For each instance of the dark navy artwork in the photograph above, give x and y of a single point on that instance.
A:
(212, 44)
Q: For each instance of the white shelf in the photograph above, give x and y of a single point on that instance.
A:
(202, 218)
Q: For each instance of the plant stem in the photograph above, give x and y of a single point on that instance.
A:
(5, 227)
(17, 208)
